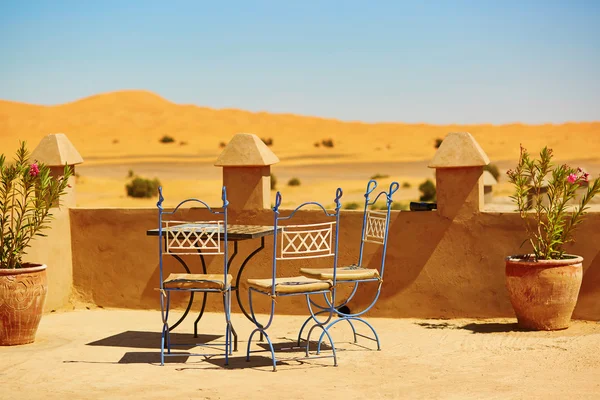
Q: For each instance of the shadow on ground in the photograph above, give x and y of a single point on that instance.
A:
(476, 327)
(151, 340)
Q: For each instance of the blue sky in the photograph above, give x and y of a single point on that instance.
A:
(406, 61)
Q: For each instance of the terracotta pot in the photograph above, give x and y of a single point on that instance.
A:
(22, 296)
(543, 293)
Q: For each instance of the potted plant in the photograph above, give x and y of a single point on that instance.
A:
(543, 286)
(28, 192)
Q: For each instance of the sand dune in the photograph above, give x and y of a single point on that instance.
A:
(121, 131)
(127, 125)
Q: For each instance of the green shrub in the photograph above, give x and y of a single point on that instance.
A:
(167, 139)
(294, 182)
(492, 169)
(273, 182)
(427, 190)
(267, 141)
(183, 143)
(438, 143)
(142, 187)
(130, 174)
(222, 145)
(380, 176)
(406, 185)
(327, 142)
(351, 206)
(317, 144)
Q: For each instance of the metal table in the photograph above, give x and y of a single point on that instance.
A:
(235, 233)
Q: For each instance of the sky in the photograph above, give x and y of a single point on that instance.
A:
(437, 62)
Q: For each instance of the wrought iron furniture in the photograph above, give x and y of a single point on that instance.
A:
(235, 234)
(294, 242)
(374, 231)
(184, 238)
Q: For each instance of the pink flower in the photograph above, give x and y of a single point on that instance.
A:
(572, 178)
(586, 176)
(34, 170)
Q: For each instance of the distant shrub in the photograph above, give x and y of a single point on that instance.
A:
(380, 176)
(399, 206)
(438, 143)
(351, 206)
(327, 142)
(142, 187)
(379, 206)
(406, 185)
(427, 190)
(222, 144)
(267, 141)
(167, 139)
(115, 141)
(273, 182)
(317, 144)
(182, 143)
(492, 169)
(294, 182)
(130, 174)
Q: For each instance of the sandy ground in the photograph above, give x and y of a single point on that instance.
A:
(103, 185)
(91, 354)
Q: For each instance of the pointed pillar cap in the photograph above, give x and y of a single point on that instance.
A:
(248, 150)
(459, 149)
(56, 149)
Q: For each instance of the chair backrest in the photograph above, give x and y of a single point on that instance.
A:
(303, 241)
(180, 236)
(376, 222)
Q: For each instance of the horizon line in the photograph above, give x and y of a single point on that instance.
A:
(291, 114)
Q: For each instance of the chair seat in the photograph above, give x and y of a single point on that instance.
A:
(295, 284)
(197, 281)
(347, 273)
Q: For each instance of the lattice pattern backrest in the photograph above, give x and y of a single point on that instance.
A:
(375, 229)
(306, 241)
(184, 237)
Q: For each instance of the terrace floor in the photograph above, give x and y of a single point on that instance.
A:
(92, 354)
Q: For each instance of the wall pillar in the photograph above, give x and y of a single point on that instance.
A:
(55, 151)
(459, 165)
(246, 163)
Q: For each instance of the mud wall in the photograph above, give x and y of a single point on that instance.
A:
(436, 266)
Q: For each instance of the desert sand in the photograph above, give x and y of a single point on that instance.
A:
(91, 354)
(120, 132)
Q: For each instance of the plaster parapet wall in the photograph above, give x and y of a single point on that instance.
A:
(436, 266)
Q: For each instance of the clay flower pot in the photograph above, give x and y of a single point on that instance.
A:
(543, 293)
(22, 296)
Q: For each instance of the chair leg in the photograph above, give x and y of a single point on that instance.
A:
(228, 326)
(325, 332)
(306, 323)
(349, 319)
(164, 338)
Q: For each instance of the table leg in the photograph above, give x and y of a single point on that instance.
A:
(239, 276)
(235, 336)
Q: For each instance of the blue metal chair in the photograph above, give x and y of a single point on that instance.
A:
(178, 237)
(294, 242)
(374, 231)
